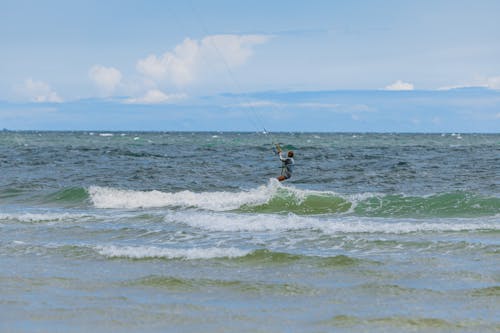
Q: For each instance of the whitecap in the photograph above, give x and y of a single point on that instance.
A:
(234, 222)
(144, 252)
(43, 217)
(105, 197)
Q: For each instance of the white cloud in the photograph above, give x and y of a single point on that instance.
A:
(106, 78)
(492, 82)
(38, 91)
(179, 65)
(462, 86)
(234, 49)
(399, 86)
(186, 62)
(155, 96)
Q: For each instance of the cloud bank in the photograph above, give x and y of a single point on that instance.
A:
(38, 91)
(189, 60)
(107, 79)
(399, 86)
(492, 83)
(156, 96)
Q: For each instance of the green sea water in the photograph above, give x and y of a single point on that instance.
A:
(169, 232)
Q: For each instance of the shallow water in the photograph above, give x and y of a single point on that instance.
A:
(189, 231)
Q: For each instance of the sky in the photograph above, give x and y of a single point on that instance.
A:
(380, 65)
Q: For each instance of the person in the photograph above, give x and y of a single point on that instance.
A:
(286, 165)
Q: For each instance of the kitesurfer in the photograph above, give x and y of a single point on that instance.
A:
(286, 165)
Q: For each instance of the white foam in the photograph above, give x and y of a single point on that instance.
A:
(144, 252)
(42, 217)
(105, 197)
(233, 222)
(106, 134)
(406, 227)
(241, 222)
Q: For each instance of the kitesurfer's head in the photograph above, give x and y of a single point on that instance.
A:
(290, 153)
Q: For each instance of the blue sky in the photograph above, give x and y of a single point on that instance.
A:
(228, 65)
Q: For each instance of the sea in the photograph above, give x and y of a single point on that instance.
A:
(191, 232)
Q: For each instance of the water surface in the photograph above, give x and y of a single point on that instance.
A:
(187, 231)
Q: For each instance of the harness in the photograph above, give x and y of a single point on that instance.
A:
(286, 164)
(285, 168)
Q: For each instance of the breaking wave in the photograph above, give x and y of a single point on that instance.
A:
(232, 222)
(275, 198)
(152, 252)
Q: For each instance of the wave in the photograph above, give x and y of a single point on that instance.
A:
(277, 198)
(10, 193)
(180, 284)
(457, 204)
(404, 323)
(264, 256)
(235, 255)
(103, 197)
(248, 257)
(257, 223)
(71, 195)
(493, 291)
(66, 197)
(237, 222)
(125, 252)
(154, 252)
(273, 198)
(45, 217)
(258, 258)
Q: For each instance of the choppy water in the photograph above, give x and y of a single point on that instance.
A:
(189, 231)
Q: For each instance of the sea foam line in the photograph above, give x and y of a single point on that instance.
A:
(144, 252)
(233, 222)
(44, 217)
(277, 198)
(105, 197)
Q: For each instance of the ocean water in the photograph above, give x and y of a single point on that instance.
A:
(171, 232)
